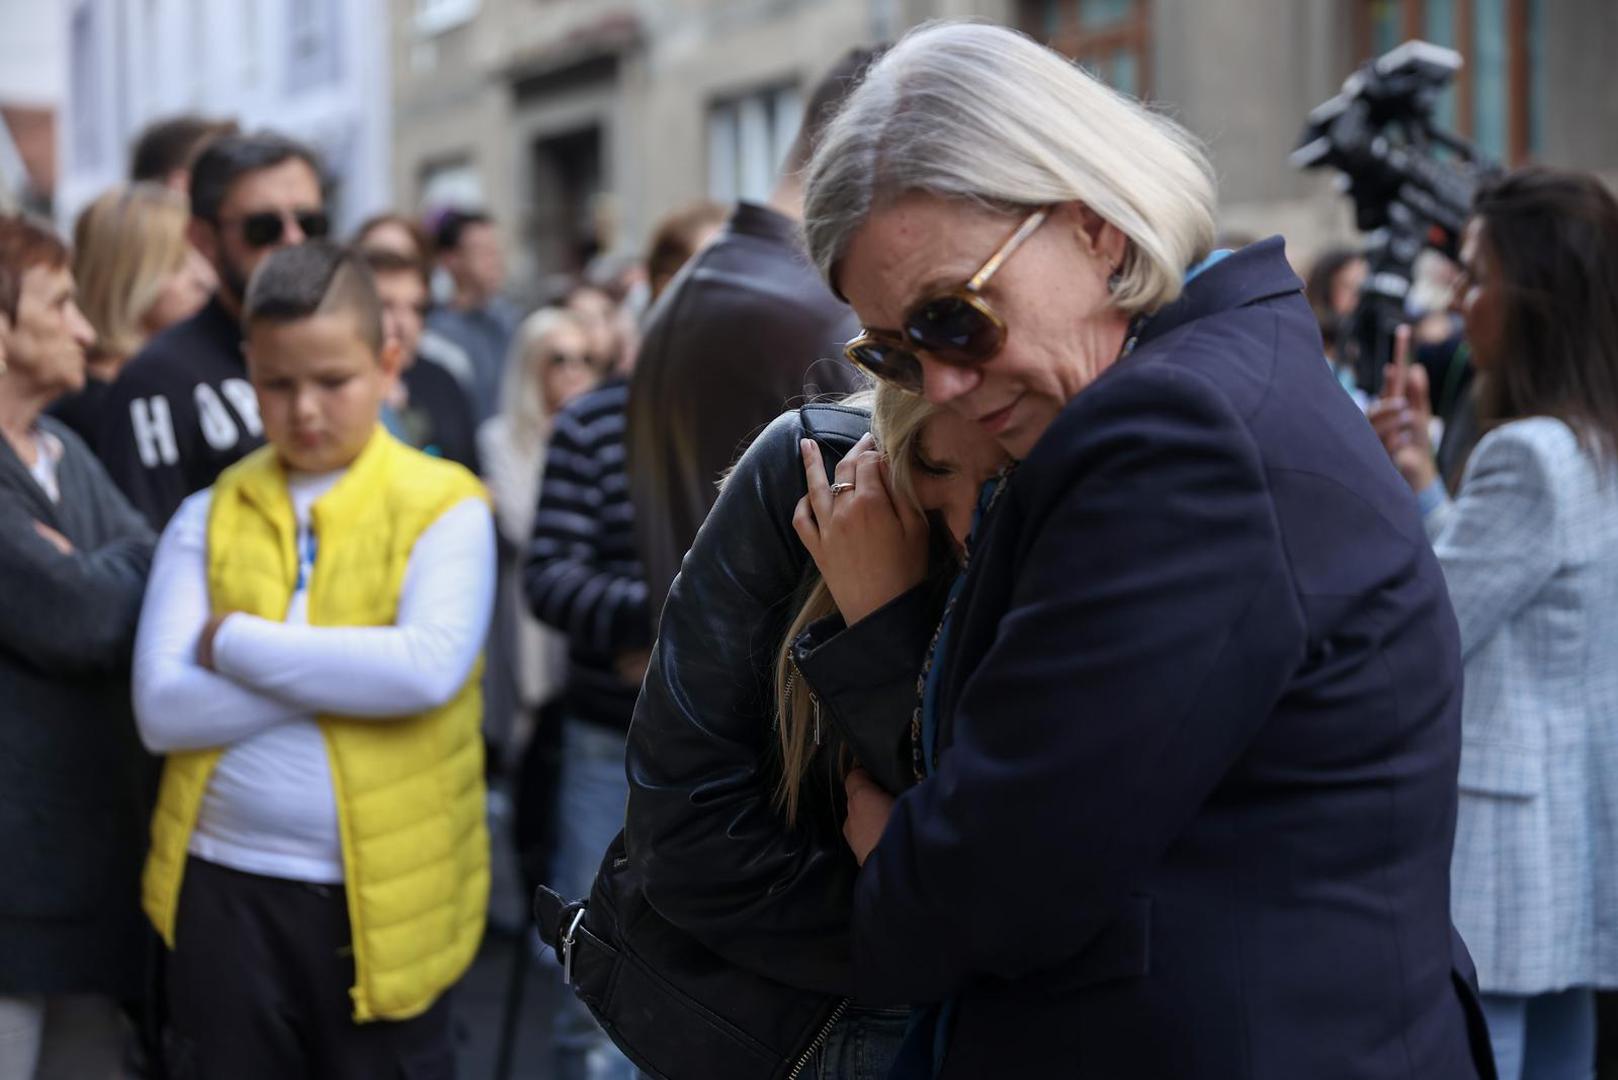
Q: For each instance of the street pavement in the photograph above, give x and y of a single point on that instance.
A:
(480, 1000)
(480, 1008)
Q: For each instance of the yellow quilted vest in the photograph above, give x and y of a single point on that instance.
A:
(410, 797)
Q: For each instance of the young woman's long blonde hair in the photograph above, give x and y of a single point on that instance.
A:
(897, 419)
(125, 245)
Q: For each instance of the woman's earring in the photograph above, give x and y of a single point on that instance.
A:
(1115, 281)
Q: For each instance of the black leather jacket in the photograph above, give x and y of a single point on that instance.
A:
(717, 858)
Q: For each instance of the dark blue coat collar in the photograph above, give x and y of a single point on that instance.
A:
(1257, 272)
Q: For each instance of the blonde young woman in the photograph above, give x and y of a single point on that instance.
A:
(736, 759)
(933, 467)
(549, 366)
(137, 274)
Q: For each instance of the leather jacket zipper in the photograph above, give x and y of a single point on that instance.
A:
(814, 699)
(819, 1040)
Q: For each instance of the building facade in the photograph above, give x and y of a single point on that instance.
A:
(579, 122)
(317, 70)
(33, 73)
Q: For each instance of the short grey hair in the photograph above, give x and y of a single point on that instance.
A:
(983, 114)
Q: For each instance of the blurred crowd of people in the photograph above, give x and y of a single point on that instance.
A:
(324, 553)
(135, 398)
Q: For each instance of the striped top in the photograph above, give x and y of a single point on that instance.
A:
(581, 573)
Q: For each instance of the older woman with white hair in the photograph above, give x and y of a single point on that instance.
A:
(1190, 728)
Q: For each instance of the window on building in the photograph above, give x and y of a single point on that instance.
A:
(748, 139)
(569, 218)
(1111, 38)
(436, 16)
(1498, 96)
(314, 44)
(456, 182)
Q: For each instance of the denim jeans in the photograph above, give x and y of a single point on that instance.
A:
(590, 811)
(1543, 1037)
(863, 1044)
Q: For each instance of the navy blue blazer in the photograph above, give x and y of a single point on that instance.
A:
(1201, 726)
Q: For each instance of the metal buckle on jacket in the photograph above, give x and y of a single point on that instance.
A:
(567, 946)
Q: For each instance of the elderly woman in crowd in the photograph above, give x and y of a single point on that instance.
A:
(73, 794)
(137, 275)
(1529, 547)
(1191, 724)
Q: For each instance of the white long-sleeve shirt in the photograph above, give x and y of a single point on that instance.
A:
(269, 808)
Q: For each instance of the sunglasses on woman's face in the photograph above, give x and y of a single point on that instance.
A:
(267, 227)
(566, 359)
(957, 327)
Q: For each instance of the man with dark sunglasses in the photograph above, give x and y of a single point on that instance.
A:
(182, 410)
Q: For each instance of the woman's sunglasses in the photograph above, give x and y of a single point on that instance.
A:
(957, 327)
(566, 359)
(269, 226)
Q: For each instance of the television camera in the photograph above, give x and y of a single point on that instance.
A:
(1411, 181)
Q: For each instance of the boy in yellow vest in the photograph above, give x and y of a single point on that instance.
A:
(307, 659)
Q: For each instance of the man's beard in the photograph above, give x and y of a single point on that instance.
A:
(232, 281)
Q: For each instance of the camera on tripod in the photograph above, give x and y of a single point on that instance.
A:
(1412, 182)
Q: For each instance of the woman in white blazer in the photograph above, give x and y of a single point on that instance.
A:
(1529, 546)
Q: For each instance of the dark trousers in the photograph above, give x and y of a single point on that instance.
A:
(258, 986)
(1607, 1035)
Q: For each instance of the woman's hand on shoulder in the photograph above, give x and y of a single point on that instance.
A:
(869, 544)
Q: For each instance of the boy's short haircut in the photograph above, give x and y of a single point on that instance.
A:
(25, 242)
(317, 277)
